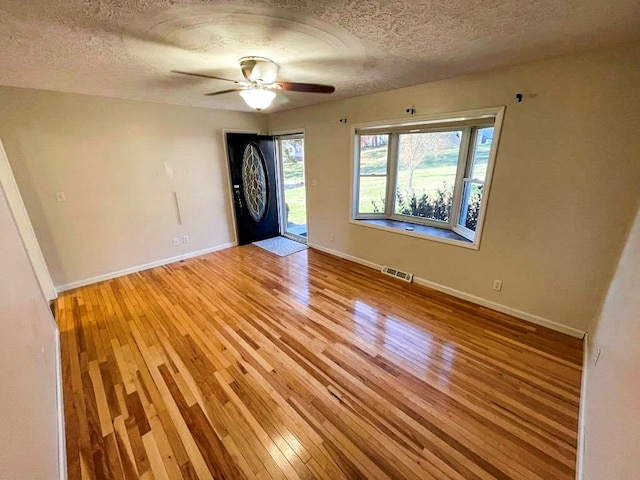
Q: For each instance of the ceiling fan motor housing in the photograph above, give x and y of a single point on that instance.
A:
(259, 69)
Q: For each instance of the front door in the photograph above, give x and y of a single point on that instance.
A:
(253, 180)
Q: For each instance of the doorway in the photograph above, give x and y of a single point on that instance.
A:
(293, 192)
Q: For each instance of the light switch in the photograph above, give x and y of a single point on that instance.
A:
(60, 196)
(314, 182)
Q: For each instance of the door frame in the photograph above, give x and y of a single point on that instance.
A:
(280, 174)
(227, 167)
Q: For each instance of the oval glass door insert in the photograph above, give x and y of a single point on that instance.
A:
(254, 180)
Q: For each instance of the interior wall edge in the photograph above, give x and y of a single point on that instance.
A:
(529, 317)
(30, 410)
(140, 268)
(23, 222)
(582, 412)
(62, 445)
(593, 322)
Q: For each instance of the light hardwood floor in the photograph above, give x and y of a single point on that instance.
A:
(241, 364)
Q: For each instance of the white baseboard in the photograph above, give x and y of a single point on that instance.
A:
(139, 268)
(466, 296)
(529, 317)
(62, 443)
(582, 414)
(336, 253)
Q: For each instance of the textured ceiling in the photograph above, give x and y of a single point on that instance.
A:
(125, 48)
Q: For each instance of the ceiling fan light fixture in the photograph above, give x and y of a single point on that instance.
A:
(258, 98)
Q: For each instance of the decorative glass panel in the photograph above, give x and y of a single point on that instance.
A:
(254, 180)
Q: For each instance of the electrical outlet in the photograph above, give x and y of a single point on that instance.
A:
(176, 241)
(185, 239)
(599, 351)
(332, 237)
(61, 197)
(497, 285)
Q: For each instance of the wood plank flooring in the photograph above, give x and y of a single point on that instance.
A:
(241, 364)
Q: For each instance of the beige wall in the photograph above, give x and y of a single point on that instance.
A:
(566, 179)
(611, 398)
(118, 163)
(28, 359)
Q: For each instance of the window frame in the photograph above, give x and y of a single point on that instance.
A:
(458, 227)
(459, 172)
(469, 122)
(356, 198)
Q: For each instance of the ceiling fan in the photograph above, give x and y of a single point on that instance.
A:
(260, 87)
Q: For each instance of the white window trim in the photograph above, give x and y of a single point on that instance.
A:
(424, 121)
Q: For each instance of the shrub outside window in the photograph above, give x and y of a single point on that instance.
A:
(434, 173)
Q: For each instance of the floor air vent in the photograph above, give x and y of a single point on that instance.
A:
(407, 277)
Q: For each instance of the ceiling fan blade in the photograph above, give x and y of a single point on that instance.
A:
(281, 98)
(306, 87)
(224, 91)
(202, 75)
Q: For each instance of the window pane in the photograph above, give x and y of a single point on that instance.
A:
(427, 164)
(373, 192)
(470, 207)
(373, 154)
(484, 138)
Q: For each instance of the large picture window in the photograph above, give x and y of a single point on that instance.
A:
(433, 173)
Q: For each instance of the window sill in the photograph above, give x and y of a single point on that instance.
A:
(425, 232)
